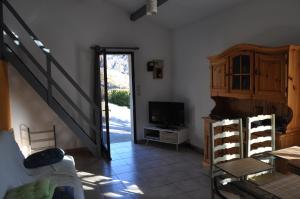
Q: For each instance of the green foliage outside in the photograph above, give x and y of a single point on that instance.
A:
(119, 97)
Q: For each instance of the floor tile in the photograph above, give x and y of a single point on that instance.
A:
(188, 185)
(201, 193)
(165, 191)
(151, 171)
(180, 196)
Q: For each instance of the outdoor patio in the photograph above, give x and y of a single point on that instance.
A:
(119, 123)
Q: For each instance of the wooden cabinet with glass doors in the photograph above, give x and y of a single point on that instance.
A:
(249, 71)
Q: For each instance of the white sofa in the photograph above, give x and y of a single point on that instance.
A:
(14, 174)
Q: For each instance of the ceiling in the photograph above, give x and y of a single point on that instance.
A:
(177, 13)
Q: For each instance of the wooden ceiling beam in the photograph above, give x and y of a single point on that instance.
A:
(143, 11)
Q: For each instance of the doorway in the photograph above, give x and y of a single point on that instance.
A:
(120, 100)
(115, 94)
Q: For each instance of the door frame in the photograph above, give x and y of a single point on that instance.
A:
(98, 100)
(133, 109)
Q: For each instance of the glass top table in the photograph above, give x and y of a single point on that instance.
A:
(255, 179)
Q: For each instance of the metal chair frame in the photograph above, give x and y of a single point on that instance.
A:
(31, 140)
(260, 139)
(215, 160)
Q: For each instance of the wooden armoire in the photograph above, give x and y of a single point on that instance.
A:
(248, 80)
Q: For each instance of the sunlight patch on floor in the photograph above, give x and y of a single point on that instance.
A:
(134, 189)
(109, 182)
(92, 182)
(92, 177)
(120, 132)
(112, 195)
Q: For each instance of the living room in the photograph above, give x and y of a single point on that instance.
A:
(181, 34)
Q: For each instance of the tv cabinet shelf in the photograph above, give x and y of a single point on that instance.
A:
(169, 136)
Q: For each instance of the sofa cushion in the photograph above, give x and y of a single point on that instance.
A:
(7, 139)
(12, 171)
(43, 189)
(44, 158)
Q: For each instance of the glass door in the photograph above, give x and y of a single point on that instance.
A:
(241, 66)
(104, 110)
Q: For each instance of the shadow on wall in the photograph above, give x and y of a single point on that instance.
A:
(28, 108)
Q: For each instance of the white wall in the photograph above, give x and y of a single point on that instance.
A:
(69, 28)
(28, 108)
(264, 22)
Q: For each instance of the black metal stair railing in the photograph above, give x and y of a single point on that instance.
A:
(8, 53)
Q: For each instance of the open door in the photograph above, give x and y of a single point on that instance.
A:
(102, 100)
(101, 95)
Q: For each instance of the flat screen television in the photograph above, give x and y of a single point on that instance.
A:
(166, 114)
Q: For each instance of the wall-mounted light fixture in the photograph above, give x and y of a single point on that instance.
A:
(151, 7)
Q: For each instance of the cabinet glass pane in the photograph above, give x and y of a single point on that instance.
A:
(245, 64)
(236, 65)
(245, 82)
(236, 82)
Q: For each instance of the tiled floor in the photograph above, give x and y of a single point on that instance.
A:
(140, 171)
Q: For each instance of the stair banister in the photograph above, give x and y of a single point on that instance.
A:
(23, 48)
(7, 52)
(49, 79)
(42, 47)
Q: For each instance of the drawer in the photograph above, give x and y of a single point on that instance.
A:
(170, 137)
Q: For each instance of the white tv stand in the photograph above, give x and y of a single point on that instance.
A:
(170, 136)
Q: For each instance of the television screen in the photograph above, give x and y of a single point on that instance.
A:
(167, 114)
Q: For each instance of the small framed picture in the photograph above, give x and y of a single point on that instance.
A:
(157, 73)
(150, 66)
(156, 66)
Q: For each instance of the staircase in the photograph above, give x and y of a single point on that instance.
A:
(14, 51)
